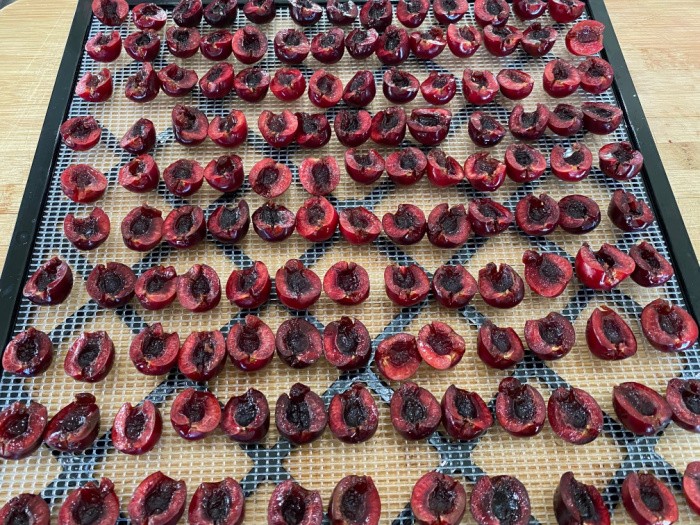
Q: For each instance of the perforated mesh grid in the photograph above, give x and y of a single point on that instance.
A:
(394, 463)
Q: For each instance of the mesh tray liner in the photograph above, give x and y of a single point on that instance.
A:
(395, 464)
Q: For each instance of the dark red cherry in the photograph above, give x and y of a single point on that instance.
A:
(392, 46)
(347, 344)
(411, 13)
(249, 287)
(453, 286)
(325, 89)
(80, 133)
(576, 502)
(291, 500)
(571, 164)
(221, 13)
(220, 502)
(184, 227)
(547, 274)
(538, 40)
(183, 42)
(225, 173)
(346, 283)
(137, 429)
(195, 414)
(75, 426)
(95, 87)
(273, 222)
(319, 176)
(601, 118)
(528, 125)
(314, 130)
(288, 84)
(406, 226)
(647, 500)
(202, 356)
(176, 81)
(352, 127)
(269, 179)
(484, 130)
(500, 500)
(251, 84)
(298, 343)
(358, 225)
(608, 336)
(691, 486)
(578, 214)
(228, 131)
(249, 44)
(429, 126)
(499, 348)
(596, 75)
(500, 286)
(428, 43)
(112, 285)
(440, 346)
(565, 11)
(250, 344)
(495, 12)
(399, 86)
(520, 408)
(449, 11)
(21, 428)
(620, 161)
(82, 183)
(465, 416)
(190, 125)
(153, 351)
(389, 126)
(629, 213)
(640, 409)
(305, 12)
(376, 14)
(158, 497)
(484, 173)
(603, 269)
(438, 88)
(463, 41)
(300, 416)
(551, 337)
(406, 285)
(406, 166)
(341, 12)
(364, 167)
(183, 177)
(216, 45)
(438, 498)
(28, 354)
(188, 13)
(479, 87)
(90, 357)
(585, 38)
(291, 46)
(443, 170)
(501, 41)
(683, 396)
(142, 228)
(142, 46)
(298, 287)
(415, 413)
(50, 284)
(353, 416)
(529, 9)
(328, 47)
(218, 82)
(361, 42)
(668, 327)
(230, 224)
(91, 501)
(397, 357)
(278, 130)
(199, 289)
(560, 78)
(515, 84)
(246, 418)
(26, 506)
(537, 215)
(651, 268)
(140, 138)
(355, 499)
(361, 89)
(488, 217)
(565, 120)
(524, 163)
(317, 219)
(104, 46)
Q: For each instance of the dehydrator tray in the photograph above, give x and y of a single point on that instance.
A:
(394, 463)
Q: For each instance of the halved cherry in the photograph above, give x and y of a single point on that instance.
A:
(250, 344)
(202, 356)
(585, 38)
(484, 173)
(463, 41)
(428, 43)
(415, 413)
(195, 414)
(112, 285)
(603, 269)
(429, 126)
(551, 337)
(488, 217)
(411, 13)
(288, 84)
(225, 173)
(90, 357)
(499, 348)
(691, 486)
(364, 167)
(358, 225)
(142, 228)
(300, 416)
(156, 288)
(361, 89)
(620, 160)
(89, 232)
(216, 45)
(291, 46)
(273, 222)
(479, 87)
(438, 88)
(82, 183)
(443, 170)
(246, 418)
(341, 12)
(104, 46)
(668, 327)
(397, 357)
(601, 118)
(538, 40)
(347, 344)
(406, 285)
(537, 215)
(647, 500)
(565, 11)
(500, 500)
(328, 47)
(453, 286)
(576, 502)
(95, 87)
(392, 46)
(524, 163)
(143, 86)
(110, 12)
(278, 130)
(314, 130)
(629, 213)
(683, 396)
(80, 133)
(651, 268)
(291, 500)
(183, 42)
(361, 42)
(137, 429)
(520, 408)
(485, 130)
(269, 178)
(547, 274)
(305, 12)
(376, 14)
(199, 288)
(515, 84)
(565, 120)
(188, 13)
(183, 177)
(608, 336)
(50, 284)
(222, 502)
(495, 12)
(389, 126)
(406, 166)
(355, 498)
(529, 9)
(528, 125)
(221, 13)
(578, 214)
(465, 416)
(501, 41)
(21, 428)
(228, 131)
(249, 287)
(642, 410)
(596, 75)
(184, 227)
(190, 125)
(440, 346)
(346, 283)
(449, 11)
(560, 78)
(298, 287)
(352, 127)
(406, 226)
(319, 176)
(166, 496)
(217, 83)
(249, 44)
(229, 224)
(500, 286)
(399, 86)
(153, 351)
(316, 219)
(91, 501)
(251, 84)
(75, 426)
(325, 89)
(438, 498)
(142, 46)
(571, 164)
(353, 416)
(140, 137)
(176, 81)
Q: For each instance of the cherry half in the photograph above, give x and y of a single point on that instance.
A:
(158, 498)
(199, 288)
(346, 283)
(438, 498)
(578, 214)
(28, 354)
(500, 286)
(111, 285)
(537, 215)
(91, 502)
(488, 217)
(355, 499)
(406, 285)
(603, 269)
(415, 413)
(358, 225)
(576, 502)
(574, 415)
(300, 416)
(21, 429)
(202, 356)
(668, 327)
(273, 222)
(221, 503)
(465, 416)
(520, 408)
(628, 212)
(683, 396)
(551, 337)
(50, 284)
(246, 418)
(154, 351)
(184, 227)
(290, 503)
(230, 224)
(500, 500)
(195, 414)
(26, 506)
(298, 287)
(499, 348)
(353, 416)
(347, 344)
(406, 226)
(642, 410)
(80, 133)
(136, 430)
(440, 346)
(397, 357)
(298, 342)
(250, 286)
(453, 286)
(691, 486)
(75, 426)
(250, 344)
(90, 357)
(82, 183)
(651, 268)
(647, 500)
(608, 336)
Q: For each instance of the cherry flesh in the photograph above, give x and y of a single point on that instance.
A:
(246, 418)
(415, 413)
(465, 415)
(250, 344)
